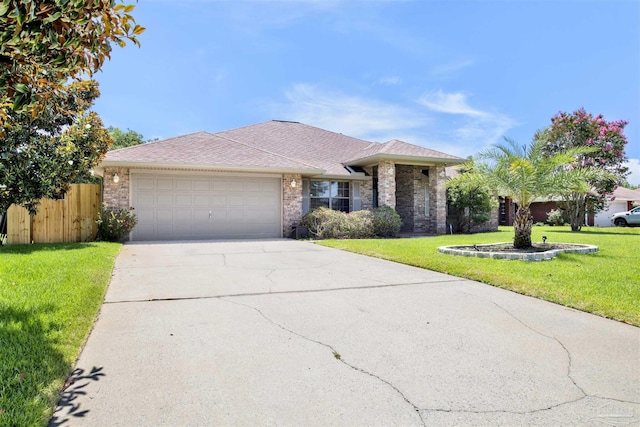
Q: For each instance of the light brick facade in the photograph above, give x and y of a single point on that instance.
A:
(437, 200)
(291, 202)
(116, 194)
(387, 184)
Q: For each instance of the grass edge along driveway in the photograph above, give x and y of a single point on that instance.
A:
(50, 295)
(606, 283)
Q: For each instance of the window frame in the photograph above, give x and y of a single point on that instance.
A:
(331, 194)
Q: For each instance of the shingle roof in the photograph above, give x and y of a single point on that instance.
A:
(275, 145)
(626, 194)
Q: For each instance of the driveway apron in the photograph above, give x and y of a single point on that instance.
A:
(283, 332)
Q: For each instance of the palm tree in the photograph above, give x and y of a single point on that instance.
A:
(525, 173)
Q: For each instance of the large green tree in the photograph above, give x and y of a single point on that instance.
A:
(525, 173)
(122, 139)
(43, 44)
(607, 158)
(472, 198)
(41, 155)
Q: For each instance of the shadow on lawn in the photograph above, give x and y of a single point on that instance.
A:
(43, 247)
(29, 363)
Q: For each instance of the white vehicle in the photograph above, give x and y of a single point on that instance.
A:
(623, 219)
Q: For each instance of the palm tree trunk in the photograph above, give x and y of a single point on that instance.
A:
(576, 205)
(522, 228)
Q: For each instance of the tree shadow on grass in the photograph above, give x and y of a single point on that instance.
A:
(31, 364)
(42, 247)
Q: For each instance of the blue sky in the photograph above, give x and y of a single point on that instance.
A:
(454, 76)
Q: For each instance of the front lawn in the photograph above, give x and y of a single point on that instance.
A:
(49, 298)
(606, 283)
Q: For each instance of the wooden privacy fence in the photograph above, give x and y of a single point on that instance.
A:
(72, 219)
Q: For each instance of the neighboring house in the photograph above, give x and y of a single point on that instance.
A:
(622, 200)
(258, 181)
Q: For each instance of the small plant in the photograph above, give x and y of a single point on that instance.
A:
(114, 225)
(556, 217)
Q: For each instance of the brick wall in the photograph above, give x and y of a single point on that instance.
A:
(116, 195)
(405, 191)
(437, 221)
(366, 194)
(291, 202)
(387, 184)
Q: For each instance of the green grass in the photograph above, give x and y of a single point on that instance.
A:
(606, 283)
(49, 298)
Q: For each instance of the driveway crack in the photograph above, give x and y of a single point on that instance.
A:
(336, 355)
(566, 350)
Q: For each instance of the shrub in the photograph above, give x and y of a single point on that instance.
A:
(360, 224)
(325, 223)
(386, 222)
(556, 217)
(114, 225)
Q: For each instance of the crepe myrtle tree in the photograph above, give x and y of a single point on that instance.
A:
(44, 44)
(525, 173)
(607, 158)
(41, 156)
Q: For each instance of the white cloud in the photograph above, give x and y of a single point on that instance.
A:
(392, 80)
(448, 124)
(352, 115)
(452, 103)
(476, 128)
(634, 168)
(446, 70)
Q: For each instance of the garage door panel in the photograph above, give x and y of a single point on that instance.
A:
(201, 185)
(219, 200)
(145, 199)
(164, 184)
(146, 184)
(164, 199)
(183, 184)
(235, 186)
(236, 200)
(183, 200)
(164, 216)
(205, 207)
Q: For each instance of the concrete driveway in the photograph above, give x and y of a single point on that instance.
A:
(290, 333)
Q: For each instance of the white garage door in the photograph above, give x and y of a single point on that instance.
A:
(185, 207)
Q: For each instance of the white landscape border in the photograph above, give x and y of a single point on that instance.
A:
(531, 256)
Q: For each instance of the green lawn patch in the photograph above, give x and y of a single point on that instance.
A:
(606, 283)
(49, 298)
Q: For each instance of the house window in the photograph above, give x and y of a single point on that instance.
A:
(375, 186)
(330, 194)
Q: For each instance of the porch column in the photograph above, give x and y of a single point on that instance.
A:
(438, 198)
(387, 184)
(291, 202)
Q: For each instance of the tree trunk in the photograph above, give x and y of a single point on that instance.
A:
(576, 210)
(522, 228)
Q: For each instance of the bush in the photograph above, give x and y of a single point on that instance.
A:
(556, 217)
(386, 222)
(114, 225)
(325, 223)
(360, 224)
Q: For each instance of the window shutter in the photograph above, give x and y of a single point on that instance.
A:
(357, 201)
(305, 196)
